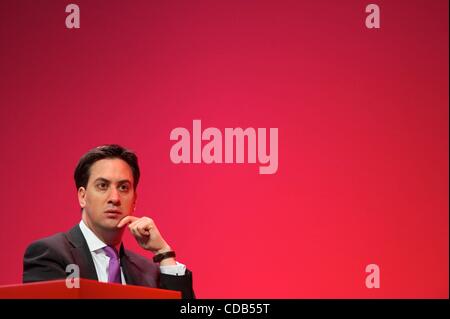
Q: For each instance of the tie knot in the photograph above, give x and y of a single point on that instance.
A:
(111, 252)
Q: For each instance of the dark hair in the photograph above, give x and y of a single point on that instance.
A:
(82, 171)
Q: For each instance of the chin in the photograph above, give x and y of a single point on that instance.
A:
(110, 224)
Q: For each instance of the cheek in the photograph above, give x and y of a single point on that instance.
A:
(128, 200)
(94, 199)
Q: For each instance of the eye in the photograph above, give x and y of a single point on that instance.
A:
(124, 187)
(102, 186)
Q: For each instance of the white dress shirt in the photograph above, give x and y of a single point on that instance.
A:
(101, 260)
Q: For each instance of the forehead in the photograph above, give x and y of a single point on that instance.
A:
(112, 169)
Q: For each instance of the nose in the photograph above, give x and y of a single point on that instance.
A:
(114, 197)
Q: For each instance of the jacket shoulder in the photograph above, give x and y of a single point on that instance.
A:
(46, 258)
(50, 241)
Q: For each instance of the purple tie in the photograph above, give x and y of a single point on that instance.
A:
(114, 265)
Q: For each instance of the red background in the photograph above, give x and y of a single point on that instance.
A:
(363, 136)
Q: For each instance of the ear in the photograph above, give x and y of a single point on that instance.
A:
(82, 197)
(135, 200)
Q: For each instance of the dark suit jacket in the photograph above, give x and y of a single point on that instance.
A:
(46, 259)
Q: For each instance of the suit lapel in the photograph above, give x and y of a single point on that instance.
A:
(83, 258)
(81, 253)
(130, 271)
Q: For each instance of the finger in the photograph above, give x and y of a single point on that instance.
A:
(134, 224)
(126, 220)
(143, 227)
(134, 231)
(137, 229)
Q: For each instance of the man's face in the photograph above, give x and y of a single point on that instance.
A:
(109, 195)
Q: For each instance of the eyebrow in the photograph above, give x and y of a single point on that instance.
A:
(101, 179)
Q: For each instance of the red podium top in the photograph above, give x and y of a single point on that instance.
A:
(88, 289)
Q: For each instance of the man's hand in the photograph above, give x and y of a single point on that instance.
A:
(147, 235)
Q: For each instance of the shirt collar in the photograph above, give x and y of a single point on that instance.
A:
(93, 242)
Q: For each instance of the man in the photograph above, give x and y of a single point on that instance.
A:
(106, 178)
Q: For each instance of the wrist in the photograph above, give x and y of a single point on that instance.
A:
(168, 262)
(162, 250)
(165, 258)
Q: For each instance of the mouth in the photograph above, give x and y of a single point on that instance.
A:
(113, 213)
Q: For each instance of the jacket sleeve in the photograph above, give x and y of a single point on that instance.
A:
(180, 283)
(41, 263)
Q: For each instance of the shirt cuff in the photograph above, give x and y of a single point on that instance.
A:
(174, 270)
